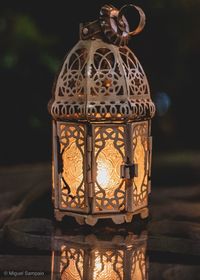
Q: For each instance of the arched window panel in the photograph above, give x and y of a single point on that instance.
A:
(108, 156)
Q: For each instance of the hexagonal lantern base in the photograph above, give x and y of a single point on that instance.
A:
(93, 219)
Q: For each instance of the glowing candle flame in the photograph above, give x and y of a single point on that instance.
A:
(108, 168)
(103, 174)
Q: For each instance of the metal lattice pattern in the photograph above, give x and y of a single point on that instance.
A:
(100, 81)
(141, 158)
(70, 87)
(139, 269)
(109, 156)
(108, 264)
(71, 263)
(137, 81)
(105, 74)
(137, 85)
(107, 96)
(72, 187)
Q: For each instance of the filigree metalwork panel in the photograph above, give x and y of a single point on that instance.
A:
(139, 264)
(108, 264)
(72, 160)
(137, 85)
(106, 78)
(106, 84)
(70, 92)
(141, 159)
(136, 78)
(109, 154)
(71, 263)
(86, 257)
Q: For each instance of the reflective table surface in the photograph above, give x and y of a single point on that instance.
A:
(34, 246)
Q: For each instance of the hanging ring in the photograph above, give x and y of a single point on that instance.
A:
(141, 22)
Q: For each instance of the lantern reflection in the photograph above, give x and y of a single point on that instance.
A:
(88, 257)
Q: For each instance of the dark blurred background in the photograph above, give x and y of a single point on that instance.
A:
(35, 37)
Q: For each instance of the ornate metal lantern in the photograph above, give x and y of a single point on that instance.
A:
(102, 110)
(84, 257)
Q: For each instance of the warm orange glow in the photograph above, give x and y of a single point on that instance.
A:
(103, 172)
(72, 172)
(108, 168)
(73, 166)
(109, 156)
(105, 266)
(137, 273)
(139, 270)
(98, 262)
(72, 270)
(139, 159)
(107, 83)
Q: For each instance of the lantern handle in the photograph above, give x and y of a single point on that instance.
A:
(142, 21)
(113, 24)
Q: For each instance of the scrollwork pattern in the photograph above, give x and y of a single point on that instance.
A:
(108, 264)
(136, 78)
(71, 263)
(72, 185)
(109, 155)
(139, 269)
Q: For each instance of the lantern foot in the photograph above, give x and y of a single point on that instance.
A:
(129, 217)
(118, 220)
(80, 220)
(144, 213)
(58, 216)
(91, 220)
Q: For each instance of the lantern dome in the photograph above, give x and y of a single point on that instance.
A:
(101, 81)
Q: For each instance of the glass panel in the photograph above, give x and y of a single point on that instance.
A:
(108, 168)
(141, 158)
(109, 156)
(108, 265)
(72, 166)
(72, 157)
(71, 266)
